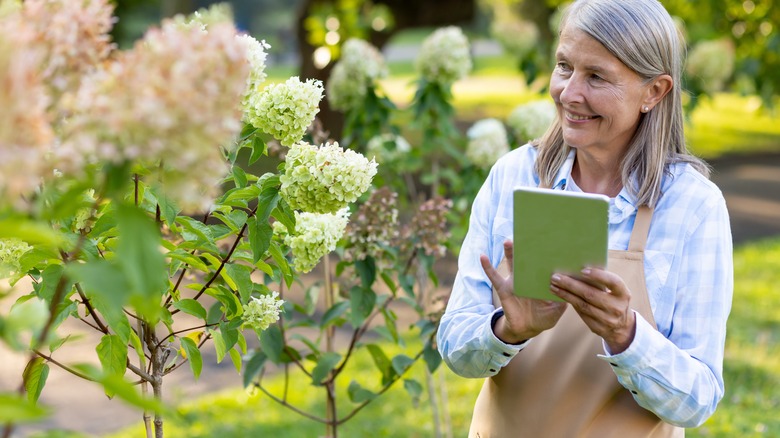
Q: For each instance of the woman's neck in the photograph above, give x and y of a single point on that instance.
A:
(595, 174)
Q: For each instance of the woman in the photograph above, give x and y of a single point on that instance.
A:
(638, 349)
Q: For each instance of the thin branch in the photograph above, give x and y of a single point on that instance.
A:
(138, 371)
(289, 406)
(224, 260)
(89, 323)
(382, 391)
(32, 278)
(90, 309)
(172, 368)
(64, 367)
(184, 330)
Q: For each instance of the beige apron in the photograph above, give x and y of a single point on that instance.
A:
(557, 387)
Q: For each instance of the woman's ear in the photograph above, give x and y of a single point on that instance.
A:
(657, 89)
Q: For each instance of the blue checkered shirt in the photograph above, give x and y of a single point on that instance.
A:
(675, 371)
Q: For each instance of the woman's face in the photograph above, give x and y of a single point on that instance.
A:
(599, 99)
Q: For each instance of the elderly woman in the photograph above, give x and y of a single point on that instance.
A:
(636, 349)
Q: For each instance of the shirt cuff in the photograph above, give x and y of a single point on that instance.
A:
(640, 354)
(499, 351)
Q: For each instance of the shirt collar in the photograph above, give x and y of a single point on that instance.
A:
(621, 207)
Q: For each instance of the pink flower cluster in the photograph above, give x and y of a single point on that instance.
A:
(170, 103)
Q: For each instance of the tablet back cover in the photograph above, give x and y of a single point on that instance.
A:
(556, 231)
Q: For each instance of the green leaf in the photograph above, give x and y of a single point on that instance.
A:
(401, 363)
(16, 409)
(124, 390)
(253, 367)
(285, 215)
(334, 313)
(382, 363)
(231, 305)
(414, 389)
(281, 262)
(358, 394)
(50, 278)
(219, 345)
(272, 343)
(135, 341)
(139, 257)
(191, 307)
(267, 202)
(260, 235)
(312, 346)
(431, 356)
(107, 290)
(324, 366)
(367, 270)
(35, 234)
(235, 356)
(259, 149)
(192, 353)
(362, 302)
(112, 353)
(35, 374)
(311, 298)
(242, 276)
(239, 176)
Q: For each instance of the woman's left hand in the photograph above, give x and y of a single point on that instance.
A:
(602, 301)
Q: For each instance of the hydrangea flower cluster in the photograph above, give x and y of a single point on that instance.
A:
(11, 250)
(531, 120)
(25, 131)
(360, 66)
(373, 227)
(387, 148)
(260, 313)
(286, 110)
(444, 56)
(74, 36)
(324, 179)
(711, 63)
(315, 235)
(170, 103)
(517, 37)
(428, 229)
(256, 55)
(487, 142)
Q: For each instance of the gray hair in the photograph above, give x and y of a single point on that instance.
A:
(642, 35)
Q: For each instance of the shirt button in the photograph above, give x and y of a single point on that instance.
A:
(492, 370)
(613, 364)
(634, 392)
(506, 354)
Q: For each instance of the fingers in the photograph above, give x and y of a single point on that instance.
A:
(611, 281)
(509, 254)
(492, 273)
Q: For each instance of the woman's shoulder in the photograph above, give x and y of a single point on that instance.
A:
(520, 158)
(685, 188)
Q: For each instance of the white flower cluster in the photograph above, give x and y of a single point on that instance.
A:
(517, 37)
(387, 148)
(315, 235)
(712, 63)
(260, 313)
(170, 103)
(487, 142)
(530, 121)
(444, 56)
(11, 250)
(286, 110)
(256, 55)
(360, 66)
(324, 179)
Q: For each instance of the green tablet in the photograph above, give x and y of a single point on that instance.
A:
(556, 231)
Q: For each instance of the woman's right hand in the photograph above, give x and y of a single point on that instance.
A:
(523, 318)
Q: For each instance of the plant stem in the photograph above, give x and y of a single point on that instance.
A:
(144, 383)
(330, 426)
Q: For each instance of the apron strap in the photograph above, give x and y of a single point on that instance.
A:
(641, 227)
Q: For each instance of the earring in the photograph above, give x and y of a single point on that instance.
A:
(645, 109)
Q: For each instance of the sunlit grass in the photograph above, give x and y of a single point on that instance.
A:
(752, 376)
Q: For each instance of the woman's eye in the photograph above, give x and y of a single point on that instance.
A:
(562, 66)
(596, 77)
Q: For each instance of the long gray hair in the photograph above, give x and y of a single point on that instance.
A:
(642, 35)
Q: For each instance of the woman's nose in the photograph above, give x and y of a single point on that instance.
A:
(571, 90)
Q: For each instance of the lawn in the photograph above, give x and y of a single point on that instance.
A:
(752, 376)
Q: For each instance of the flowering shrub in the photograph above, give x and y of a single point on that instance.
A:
(711, 64)
(261, 312)
(387, 148)
(324, 179)
(529, 121)
(360, 66)
(285, 110)
(374, 227)
(487, 142)
(11, 250)
(444, 56)
(517, 37)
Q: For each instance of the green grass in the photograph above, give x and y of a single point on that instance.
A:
(749, 409)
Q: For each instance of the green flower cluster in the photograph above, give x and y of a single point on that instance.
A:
(711, 63)
(11, 250)
(530, 121)
(256, 55)
(324, 179)
(487, 142)
(286, 110)
(444, 56)
(360, 66)
(315, 236)
(387, 148)
(259, 313)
